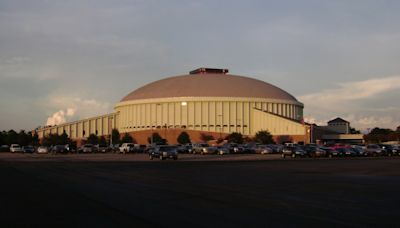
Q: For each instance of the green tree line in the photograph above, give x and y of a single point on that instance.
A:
(378, 135)
(22, 138)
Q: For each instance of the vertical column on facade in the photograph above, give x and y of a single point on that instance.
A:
(201, 115)
(194, 115)
(242, 117)
(291, 111)
(215, 117)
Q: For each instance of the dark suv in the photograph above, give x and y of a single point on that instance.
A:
(390, 150)
(314, 151)
(163, 152)
(294, 151)
(374, 150)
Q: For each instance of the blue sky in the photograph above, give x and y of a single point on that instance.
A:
(74, 59)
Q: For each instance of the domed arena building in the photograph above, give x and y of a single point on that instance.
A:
(206, 101)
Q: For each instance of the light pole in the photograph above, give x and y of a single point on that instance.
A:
(220, 126)
(151, 136)
(165, 132)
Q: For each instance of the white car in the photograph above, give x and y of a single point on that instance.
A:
(42, 150)
(15, 148)
(126, 147)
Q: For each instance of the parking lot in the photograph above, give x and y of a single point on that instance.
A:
(115, 190)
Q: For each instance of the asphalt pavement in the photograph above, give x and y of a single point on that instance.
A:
(197, 191)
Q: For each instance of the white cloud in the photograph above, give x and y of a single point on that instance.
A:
(56, 118)
(74, 108)
(374, 121)
(353, 91)
(355, 102)
(71, 111)
(314, 120)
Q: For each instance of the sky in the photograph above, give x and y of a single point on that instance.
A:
(67, 60)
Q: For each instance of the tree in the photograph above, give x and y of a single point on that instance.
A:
(183, 138)
(157, 139)
(378, 135)
(102, 140)
(264, 137)
(380, 131)
(93, 139)
(63, 139)
(35, 139)
(2, 137)
(128, 139)
(54, 139)
(235, 137)
(205, 137)
(12, 137)
(115, 136)
(354, 131)
(24, 138)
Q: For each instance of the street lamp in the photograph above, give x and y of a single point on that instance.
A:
(220, 126)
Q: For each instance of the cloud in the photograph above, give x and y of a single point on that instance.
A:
(56, 118)
(365, 104)
(17, 60)
(71, 111)
(314, 120)
(353, 91)
(60, 116)
(74, 108)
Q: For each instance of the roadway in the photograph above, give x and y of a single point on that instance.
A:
(113, 190)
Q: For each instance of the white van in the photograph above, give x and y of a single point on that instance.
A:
(15, 148)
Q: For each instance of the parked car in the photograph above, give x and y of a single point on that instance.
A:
(359, 152)
(137, 148)
(42, 150)
(248, 149)
(70, 148)
(263, 149)
(389, 149)
(87, 148)
(314, 151)
(126, 147)
(15, 148)
(184, 149)
(4, 148)
(204, 148)
(28, 149)
(221, 150)
(163, 152)
(347, 152)
(234, 148)
(276, 149)
(330, 152)
(114, 148)
(374, 150)
(294, 151)
(103, 148)
(397, 149)
(58, 149)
